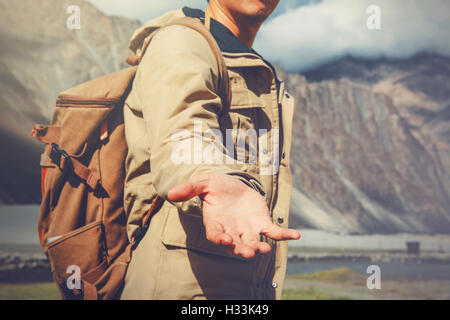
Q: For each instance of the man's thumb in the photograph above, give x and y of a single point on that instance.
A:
(187, 190)
(276, 233)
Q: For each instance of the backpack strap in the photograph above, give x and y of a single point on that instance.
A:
(224, 82)
(51, 135)
(64, 161)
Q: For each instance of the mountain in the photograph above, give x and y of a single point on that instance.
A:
(371, 137)
(371, 146)
(40, 57)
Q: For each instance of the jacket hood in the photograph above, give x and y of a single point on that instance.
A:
(140, 35)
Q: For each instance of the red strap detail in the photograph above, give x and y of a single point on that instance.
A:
(40, 235)
(43, 174)
(104, 134)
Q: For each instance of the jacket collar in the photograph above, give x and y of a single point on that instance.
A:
(226, 40)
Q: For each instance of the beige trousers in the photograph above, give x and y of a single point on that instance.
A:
(161, 271)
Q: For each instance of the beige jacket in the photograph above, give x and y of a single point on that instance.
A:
(174, 108)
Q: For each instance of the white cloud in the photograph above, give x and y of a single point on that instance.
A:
(302, 34)
(313, 34)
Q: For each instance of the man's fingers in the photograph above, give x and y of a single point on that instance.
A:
(188, 190)
(215, 234)
(276, 233)
(240, 248)
(263, 247)
(251, 239)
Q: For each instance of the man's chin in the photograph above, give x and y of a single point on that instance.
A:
(259, 16)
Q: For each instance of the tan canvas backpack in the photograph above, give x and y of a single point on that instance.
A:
(82, 224)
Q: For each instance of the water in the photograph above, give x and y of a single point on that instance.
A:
(327, 240)
(322, 241)
(423, 271)
(18, 224)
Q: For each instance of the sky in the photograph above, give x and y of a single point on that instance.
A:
(303, 34)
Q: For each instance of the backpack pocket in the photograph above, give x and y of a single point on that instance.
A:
(78, 256)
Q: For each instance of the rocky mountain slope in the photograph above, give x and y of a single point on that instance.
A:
(371, 137)
(371, 147)
(40, 57)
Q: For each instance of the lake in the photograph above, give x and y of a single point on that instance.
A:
(18, 224)
(422, 271)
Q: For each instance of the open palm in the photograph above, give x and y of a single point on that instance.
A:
(234, 215)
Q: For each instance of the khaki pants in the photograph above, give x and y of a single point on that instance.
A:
(161, 271)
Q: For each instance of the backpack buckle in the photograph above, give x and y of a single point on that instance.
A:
(59, 156)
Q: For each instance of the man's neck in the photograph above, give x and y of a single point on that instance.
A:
(245, 31)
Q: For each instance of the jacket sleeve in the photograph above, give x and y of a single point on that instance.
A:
(178, 81)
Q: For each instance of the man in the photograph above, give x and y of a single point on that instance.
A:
(218, 234)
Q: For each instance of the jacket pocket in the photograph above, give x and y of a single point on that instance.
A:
(246, 119)
(246, 110)
(83, 249)
(243, 98)
(187, 231)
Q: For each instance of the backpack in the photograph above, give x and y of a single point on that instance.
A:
(82, 223)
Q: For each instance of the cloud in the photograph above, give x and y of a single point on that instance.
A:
(302, 34)
(307, 36)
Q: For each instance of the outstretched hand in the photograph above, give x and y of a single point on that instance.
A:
(234, 215)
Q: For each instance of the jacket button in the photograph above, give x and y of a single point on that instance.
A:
(265, 151)
(280, 220)
(283, 155)
(274, 285)
(286, 95)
